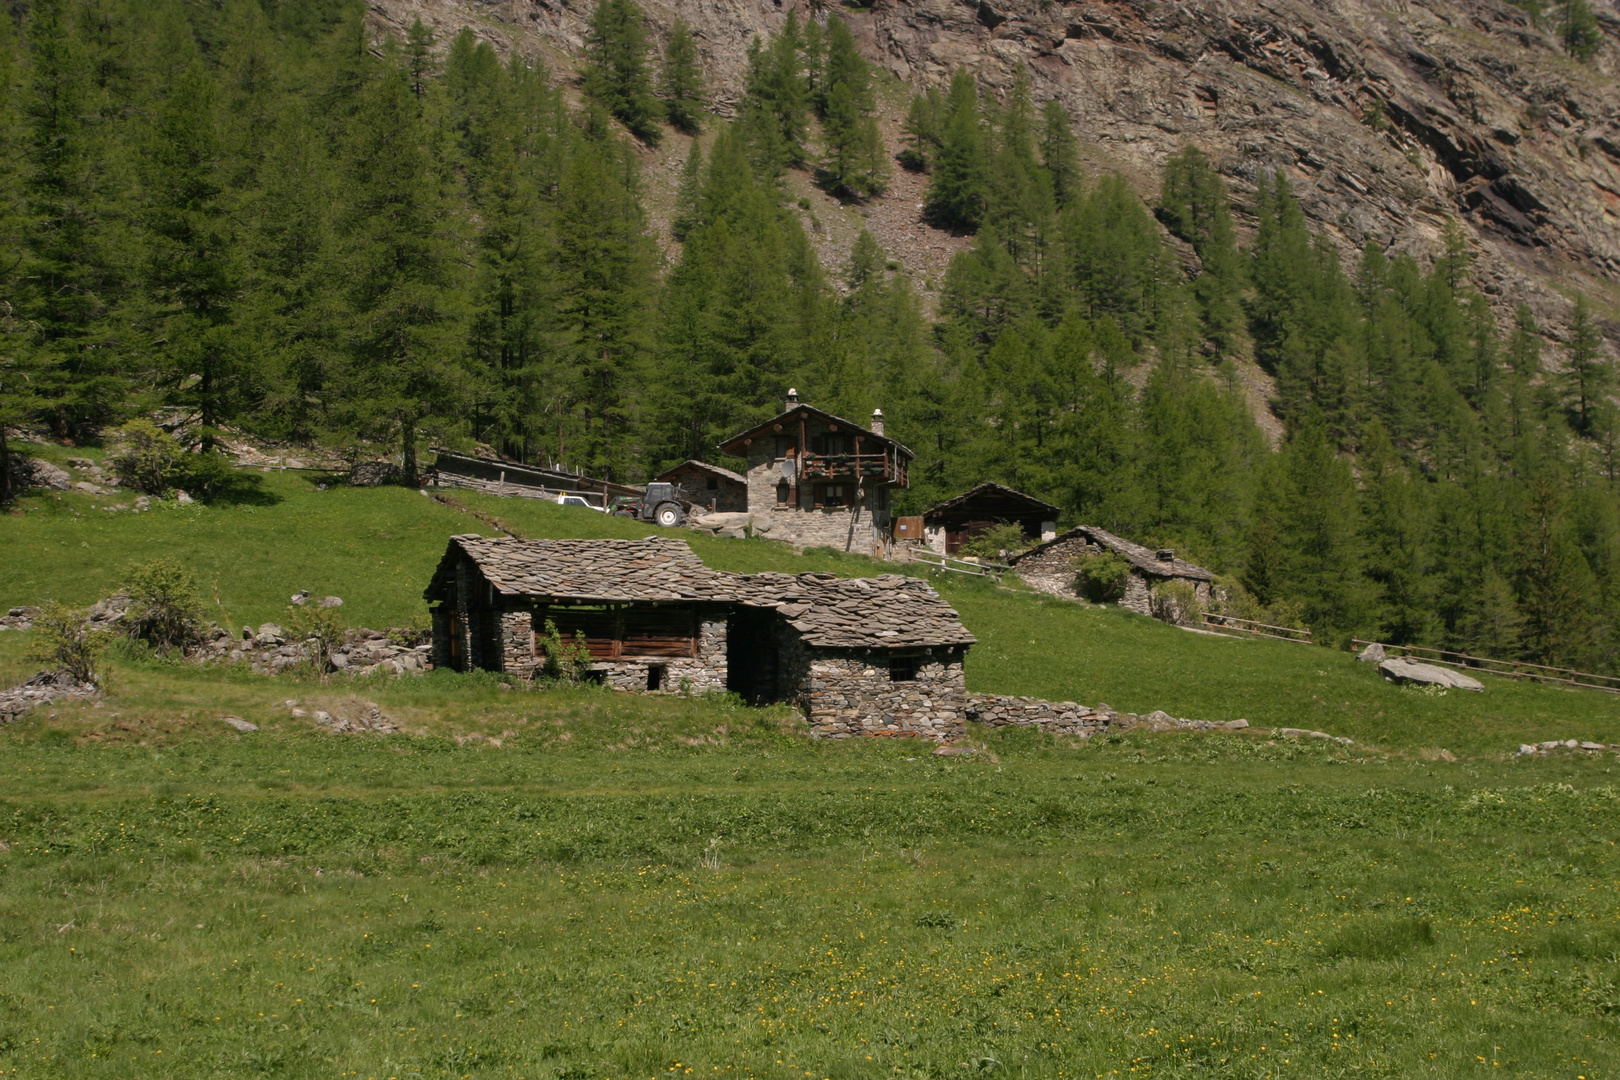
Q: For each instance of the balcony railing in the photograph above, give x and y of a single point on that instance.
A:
(884, 467)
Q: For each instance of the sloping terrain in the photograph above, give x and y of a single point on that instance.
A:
(1389, 119)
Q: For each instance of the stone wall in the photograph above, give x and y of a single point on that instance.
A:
(1063, 717)
(804, 524)
(518, 643)
(850, 695)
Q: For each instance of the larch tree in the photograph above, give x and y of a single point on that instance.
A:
(616, 75)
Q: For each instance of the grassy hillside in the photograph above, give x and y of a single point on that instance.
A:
(376, 548)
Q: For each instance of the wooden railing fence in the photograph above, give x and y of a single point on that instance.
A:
(1255, 629)
(1513, 669)
(930, 557)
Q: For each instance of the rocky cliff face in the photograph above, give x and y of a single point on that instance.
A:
(1389, 118)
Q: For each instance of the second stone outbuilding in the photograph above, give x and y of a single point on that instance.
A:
(1051, 567)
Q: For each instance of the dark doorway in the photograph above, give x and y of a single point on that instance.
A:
(655, 676)
(751, 659)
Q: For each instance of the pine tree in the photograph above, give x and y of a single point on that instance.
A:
(855, 163)
(776, 100)
(1394, 529)
(956, 195)
(1589, 372)
(1578, 27)
(923, 130)
(419, 49)
(1193, 205)
(1060, 154)
(688, 196)
(616, 67)
(1324, 571)
(680, 80)
(402, 372)
(1019, 202)
(195, 269)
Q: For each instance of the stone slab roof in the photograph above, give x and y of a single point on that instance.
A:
(1145, 559)
(888, 611)
(653, 569)
(703, 466)
(734, 445)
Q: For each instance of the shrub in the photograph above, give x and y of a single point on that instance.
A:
(567, 662)
(64, 641)
(1176, 602)
(1101, 576)
(320, 630)
(149, 459)
(997, 542)
(164, 608)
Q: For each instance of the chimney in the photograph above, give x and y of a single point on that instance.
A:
(792, 400)
(877, 421)
(1167, 555)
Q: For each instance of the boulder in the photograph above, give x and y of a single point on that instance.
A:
(1401, 669)
(1373, 653)
(270, 634)
(374, 474)
(27, 472)
(238, 723)
(332, 601)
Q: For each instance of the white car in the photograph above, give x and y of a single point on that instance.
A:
(565, 499)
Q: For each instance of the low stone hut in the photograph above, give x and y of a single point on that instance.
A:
(1050, 567)
(952, 523)
(717, 490)
(860, 656)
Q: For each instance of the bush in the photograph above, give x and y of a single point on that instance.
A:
(318, 629)
(149, 459)
(64, 641)
(567, 662)
(1101, 576)
(997, 542)
(1176, 602)
(164, 608)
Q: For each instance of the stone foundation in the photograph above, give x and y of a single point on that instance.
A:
(703, 672)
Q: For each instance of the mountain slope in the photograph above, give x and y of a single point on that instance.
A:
(1389, 119)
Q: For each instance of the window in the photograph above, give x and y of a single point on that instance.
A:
(783, 493)
(714, 483)
(784, 443)
(832, 494)
(904, 668)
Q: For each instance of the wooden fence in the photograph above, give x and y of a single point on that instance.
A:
(1252, 628)
(930, 557)
(1513, 669)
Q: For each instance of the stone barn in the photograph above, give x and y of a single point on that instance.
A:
(717, 490)
(859, 656)
(1050, 567)
(818, 479)
(954, 522)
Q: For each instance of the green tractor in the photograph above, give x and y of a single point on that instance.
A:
(664, 505)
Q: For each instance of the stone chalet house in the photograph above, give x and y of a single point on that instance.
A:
(717, 490)
(1049, 567)
(819, 480)
(952, 523)
(859, 656)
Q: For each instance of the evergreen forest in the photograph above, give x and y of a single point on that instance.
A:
(251, 212)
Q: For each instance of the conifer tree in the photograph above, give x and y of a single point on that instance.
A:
(195, 268)
(776, 100)
(956, 195)
(1395, 529)
(1193, 205)
(616, 74)
(1060, 155)
(680, 80)
(1019, 202)
(1578, 27)
(688, 196)
(419, 50)
(1589, 373)
(855, 163)
(402, 373)
(1321, 534)
(924, 130)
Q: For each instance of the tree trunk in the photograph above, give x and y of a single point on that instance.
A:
(408, 440)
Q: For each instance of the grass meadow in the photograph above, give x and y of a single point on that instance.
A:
(549, 884)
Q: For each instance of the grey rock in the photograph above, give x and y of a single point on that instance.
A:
(300, 597)
(374, 474)
(1401, 669)
(1593, 746)
(1526, 749)
(270, 634)
(332, 601)
(29, 472)
(1373, 653)
(88, 488)
(182, 497)
(238, 723)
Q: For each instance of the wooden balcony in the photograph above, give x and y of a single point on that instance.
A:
(884, 468)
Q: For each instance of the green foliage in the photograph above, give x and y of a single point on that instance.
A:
(997, 542)
(1101, 576)
(165, 610)
(320, 630)
(855, 163)
(680, 80)
(924, 130)
(567, 662)
(616, 75)
(957, 193)
(1578, 27)
(1176, 602)
(64, 641)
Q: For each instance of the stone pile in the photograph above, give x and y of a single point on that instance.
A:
(19, 618)
(42, 689)
(1069, 718)
(1556, 745)
(351, 717)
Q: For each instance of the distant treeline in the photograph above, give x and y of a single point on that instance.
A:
(244, 211)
